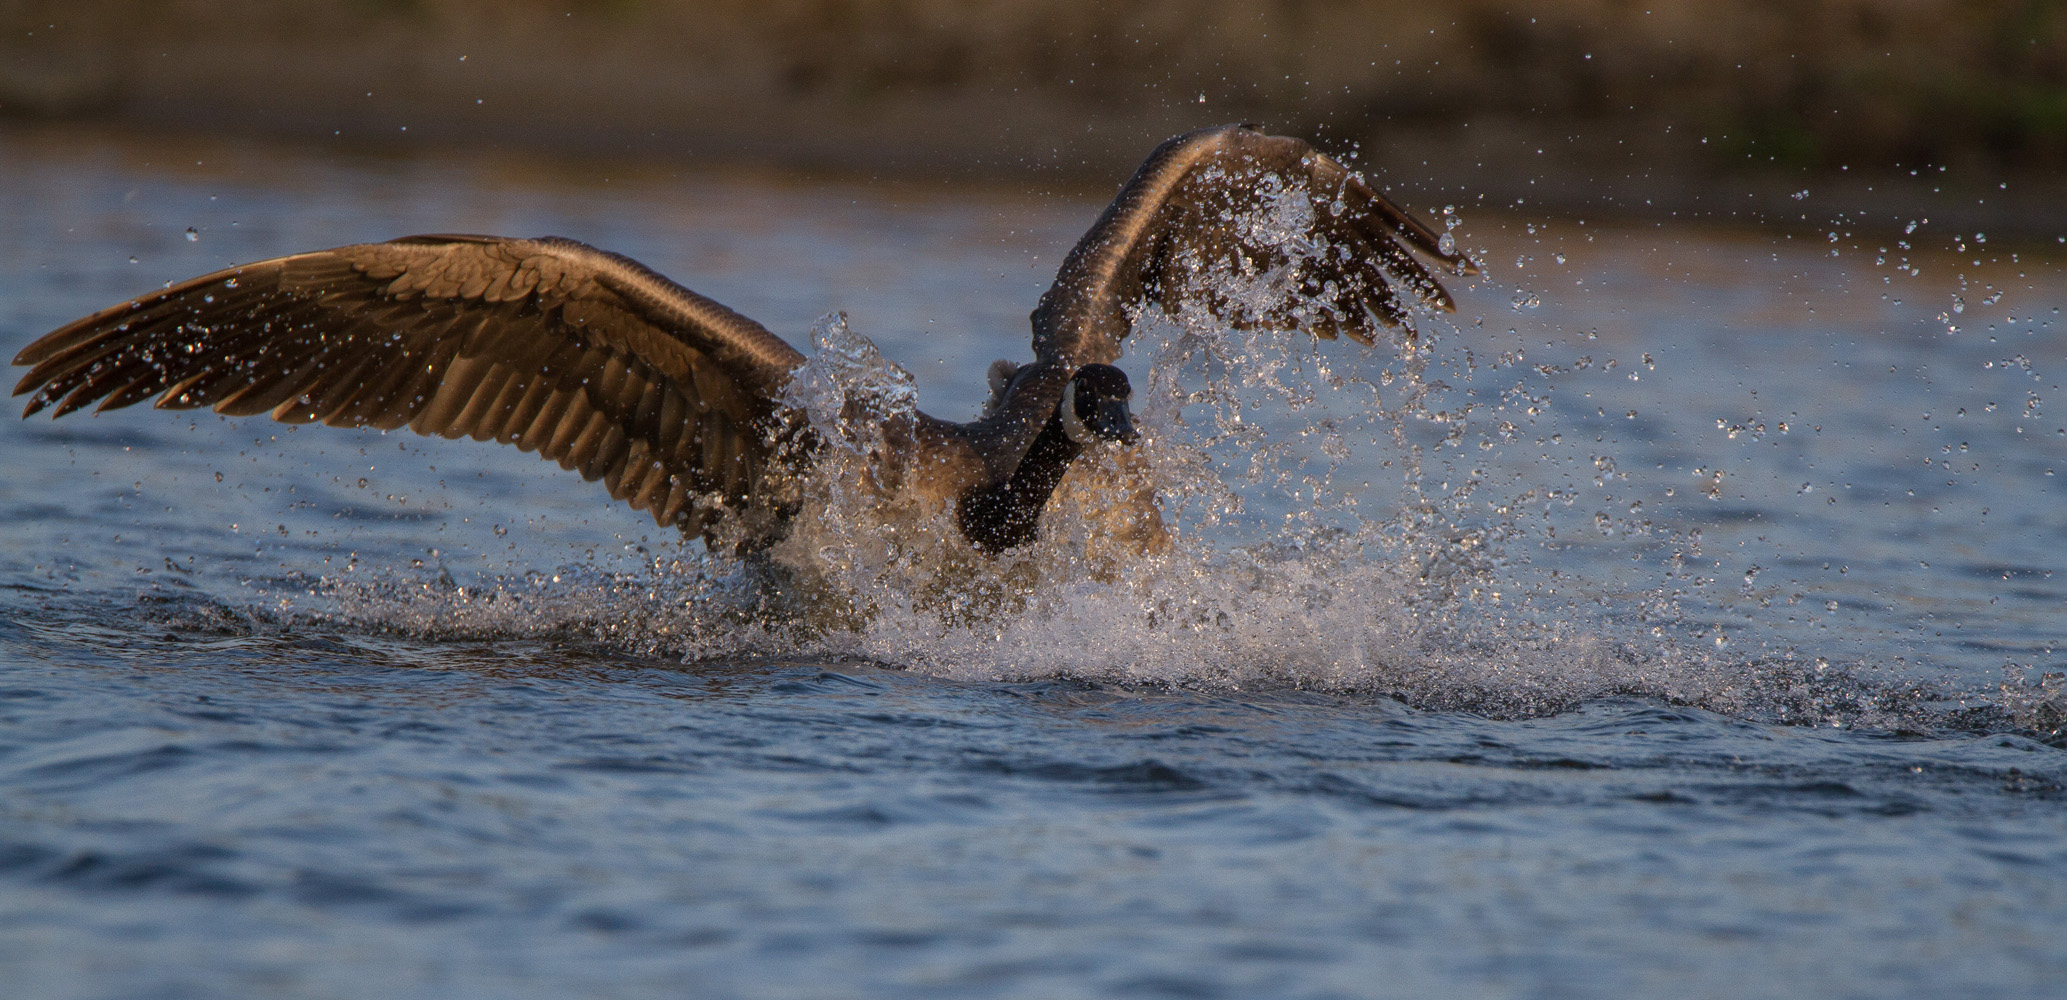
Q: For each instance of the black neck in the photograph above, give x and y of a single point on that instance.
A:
(1008, 515)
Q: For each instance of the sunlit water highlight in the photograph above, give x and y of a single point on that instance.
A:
(1684, 604)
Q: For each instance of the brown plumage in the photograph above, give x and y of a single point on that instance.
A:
(674, 401)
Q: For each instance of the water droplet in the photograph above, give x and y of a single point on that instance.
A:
(192, 236)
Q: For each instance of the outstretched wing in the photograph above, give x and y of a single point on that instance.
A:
(1222, 198)
(583, 356)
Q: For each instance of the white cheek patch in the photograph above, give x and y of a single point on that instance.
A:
(1070, 424)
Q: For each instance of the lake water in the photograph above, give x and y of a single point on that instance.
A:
(1683, 620)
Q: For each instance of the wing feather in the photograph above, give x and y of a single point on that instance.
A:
(1195, 204)
(585, 357)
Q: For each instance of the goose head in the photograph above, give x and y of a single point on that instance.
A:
(1094, 406)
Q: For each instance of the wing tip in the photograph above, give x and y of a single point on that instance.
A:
(72, 403)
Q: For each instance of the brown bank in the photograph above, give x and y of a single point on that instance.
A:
(1883, 109)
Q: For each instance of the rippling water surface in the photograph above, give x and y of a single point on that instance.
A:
(1682, 620)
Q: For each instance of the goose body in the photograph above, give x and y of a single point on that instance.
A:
(675, 402)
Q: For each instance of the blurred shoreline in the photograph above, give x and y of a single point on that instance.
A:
(1865, 113)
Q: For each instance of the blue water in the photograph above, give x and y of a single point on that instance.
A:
(377, 716)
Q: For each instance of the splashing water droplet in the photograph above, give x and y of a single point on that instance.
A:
(848, 388)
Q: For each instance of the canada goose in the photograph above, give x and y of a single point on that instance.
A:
(678, 403)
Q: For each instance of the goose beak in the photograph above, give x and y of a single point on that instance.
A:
(1112, 422)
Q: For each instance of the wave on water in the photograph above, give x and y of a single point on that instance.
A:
(1367, 521)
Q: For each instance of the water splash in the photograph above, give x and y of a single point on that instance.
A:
(848, 389)
(1335, 519)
